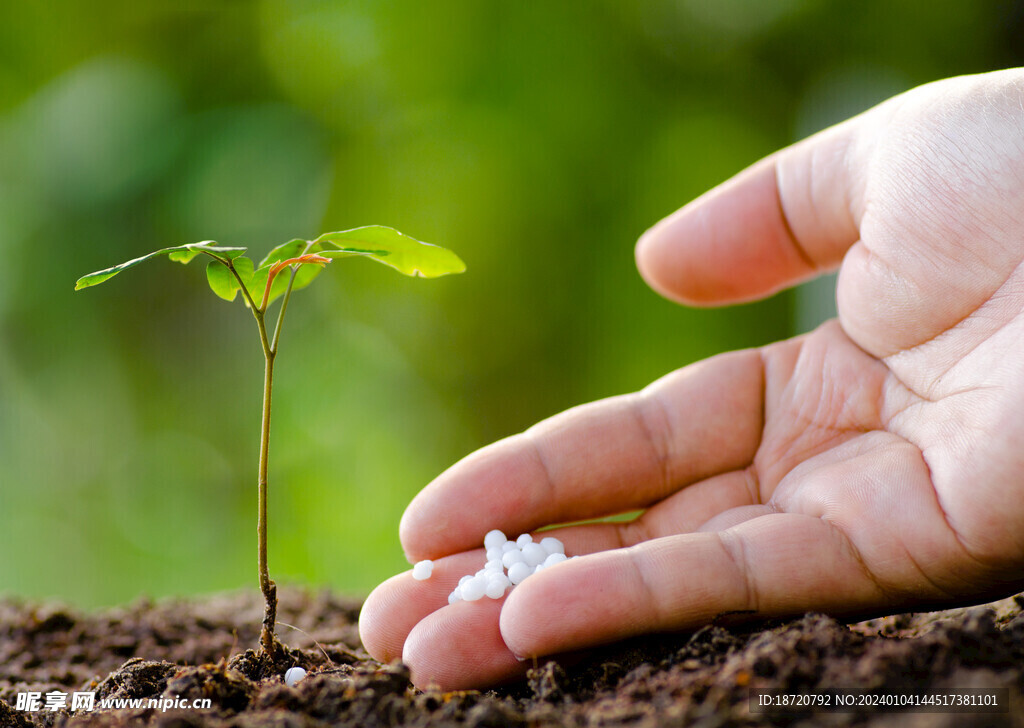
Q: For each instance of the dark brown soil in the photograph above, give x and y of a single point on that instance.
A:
(196, 648)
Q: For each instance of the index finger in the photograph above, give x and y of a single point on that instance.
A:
(602, 458)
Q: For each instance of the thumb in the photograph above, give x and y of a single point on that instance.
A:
(781, 221)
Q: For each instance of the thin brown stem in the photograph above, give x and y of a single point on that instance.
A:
(268, 641)
(245, 291)
(267, 586)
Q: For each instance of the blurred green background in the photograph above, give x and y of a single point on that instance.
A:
(537, 140)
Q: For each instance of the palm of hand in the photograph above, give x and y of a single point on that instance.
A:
(873, 463)
(902, 430)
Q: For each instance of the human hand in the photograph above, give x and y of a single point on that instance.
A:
(874, 464)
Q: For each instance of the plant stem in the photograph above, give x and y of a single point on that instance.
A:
(280, 315)
(241, 284)
(267, 586)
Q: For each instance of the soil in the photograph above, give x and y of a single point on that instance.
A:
(196, 648)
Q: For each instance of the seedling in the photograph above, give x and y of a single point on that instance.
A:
(229, 272)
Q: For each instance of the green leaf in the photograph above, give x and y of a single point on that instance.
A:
(224, 283)
(221, 281)
(178, 253)
(244, 268)
(392, 248)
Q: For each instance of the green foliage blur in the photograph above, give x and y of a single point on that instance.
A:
(537, 140)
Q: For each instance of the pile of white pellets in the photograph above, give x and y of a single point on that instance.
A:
(508, 563)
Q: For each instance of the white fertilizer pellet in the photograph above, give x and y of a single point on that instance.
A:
(292, 676)
(518, 572)
(512, 557)
(422, 570)
(552, 545)
(553, 559)
(474, 589)
(494, 539)
(496, 587)
(533, 554)
(508, 563)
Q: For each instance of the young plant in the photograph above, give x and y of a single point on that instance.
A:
(229, 272)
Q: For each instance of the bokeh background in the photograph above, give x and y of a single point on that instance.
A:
(536, 139)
